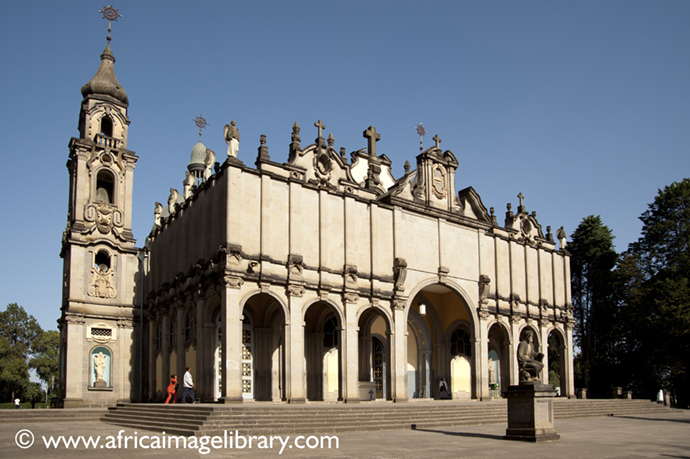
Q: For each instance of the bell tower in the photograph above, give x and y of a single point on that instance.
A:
(98, 248)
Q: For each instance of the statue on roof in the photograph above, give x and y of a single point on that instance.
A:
(232, 138)
(560, 234)
(209, 162)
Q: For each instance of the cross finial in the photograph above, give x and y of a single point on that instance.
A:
(372, 137)
(110, 14)
(422, 133)
(438, 141)
(321, 126)
(201, 123)
(522, 207)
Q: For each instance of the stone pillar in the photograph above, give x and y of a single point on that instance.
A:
(231, 372)
(515, 342)
(399, 351)
(181, 349)
(200, 377)
(76, 360)
(569, 363)
(165, 351)
(349, 357)
(544, 349)
(295, 390)
(482, 373)
(152, 358)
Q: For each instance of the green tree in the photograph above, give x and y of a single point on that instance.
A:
(657, 268)
(594, 295)
(18, 333)
(46, 356)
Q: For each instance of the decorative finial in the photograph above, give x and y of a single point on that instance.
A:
(330, 140)
(343, 152)
(201, 123)
(110, 14)
(407, 167)
(422, 133)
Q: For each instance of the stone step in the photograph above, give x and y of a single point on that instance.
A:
(53, 415)
(324, 419)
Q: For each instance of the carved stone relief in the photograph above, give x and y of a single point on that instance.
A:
(400, 273)
(104, 215)
(101, 285)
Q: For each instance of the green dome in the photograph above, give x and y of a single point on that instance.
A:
(198, 155)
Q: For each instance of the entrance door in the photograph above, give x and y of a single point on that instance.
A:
(247, 359)
(379, 368)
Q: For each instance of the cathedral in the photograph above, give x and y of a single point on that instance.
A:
(308, 277)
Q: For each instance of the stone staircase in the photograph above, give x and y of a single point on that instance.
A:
(326, 419)
(52, 415)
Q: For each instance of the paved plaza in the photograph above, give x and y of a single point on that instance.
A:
(660, 435)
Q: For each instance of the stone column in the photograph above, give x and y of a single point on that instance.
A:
(514, 368)
(399, 351)
(76, 360)
(152, 358)
(482, 374)
(569, 358)
(232, 339)
(349, 357)
(165, 351)
(201, 392)
(181, 347)
(295, 390)
(544, 349)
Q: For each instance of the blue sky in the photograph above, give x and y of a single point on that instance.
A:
(584, 107)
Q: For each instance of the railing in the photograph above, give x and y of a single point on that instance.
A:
(105, 141)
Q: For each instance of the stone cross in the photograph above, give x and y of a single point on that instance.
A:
(372, 137)
(521, 197)
(321, 126)
(371, 395)
(438, 141)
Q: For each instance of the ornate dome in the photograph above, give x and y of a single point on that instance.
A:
(105, 82)
(198, 156)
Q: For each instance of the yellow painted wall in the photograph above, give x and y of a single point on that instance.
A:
(379, 326)
(332, 371)
(190, 361)
(461, 374)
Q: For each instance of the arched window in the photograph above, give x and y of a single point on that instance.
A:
(330, 333)
(107, 126)
(105, 185)
(102, 261)
(190, 326)
(460, 343)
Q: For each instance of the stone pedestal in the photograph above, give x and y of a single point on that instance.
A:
(530, 413)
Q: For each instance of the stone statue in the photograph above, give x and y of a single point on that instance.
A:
(157, 214)
(560, 234)
(188, 182)
(492, 372)
(208, 163)
(529, 360)
(232, 137)
(99, 366)
(172, 200)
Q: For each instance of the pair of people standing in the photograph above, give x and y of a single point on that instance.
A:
(187, 388)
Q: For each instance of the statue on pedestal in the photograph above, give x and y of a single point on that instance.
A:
(529, 360)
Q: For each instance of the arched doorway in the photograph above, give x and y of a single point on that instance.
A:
(448, 320)
(374, 356)
(263, 350)
(499, 361)
(556, 361)
(322, 352)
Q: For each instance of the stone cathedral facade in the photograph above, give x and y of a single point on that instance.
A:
(306, 276)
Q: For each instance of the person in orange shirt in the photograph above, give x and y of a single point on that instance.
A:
(172, 393)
